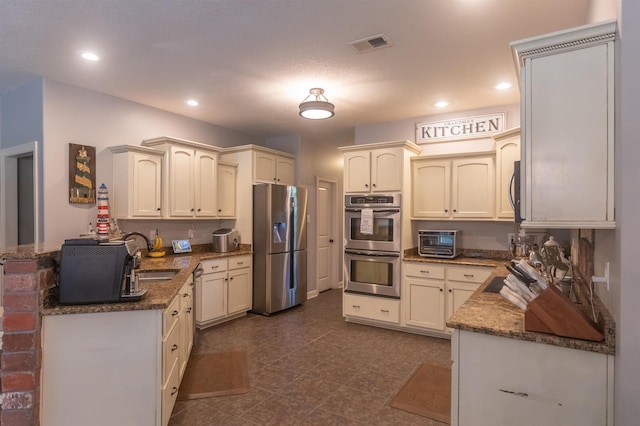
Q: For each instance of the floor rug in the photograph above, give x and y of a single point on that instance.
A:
(427, 393)
(215, 374)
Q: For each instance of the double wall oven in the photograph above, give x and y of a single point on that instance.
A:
(372, 244)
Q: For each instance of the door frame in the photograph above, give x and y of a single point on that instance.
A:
(8, 190)
(335, 231)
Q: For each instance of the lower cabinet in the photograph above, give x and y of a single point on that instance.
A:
(503, 381)
(115, 368)
(224, 291)
(371, 308)
(432, 292)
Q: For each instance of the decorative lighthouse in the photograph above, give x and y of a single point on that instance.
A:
(103, 210)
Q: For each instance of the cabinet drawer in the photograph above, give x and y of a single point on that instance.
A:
(170, 352)
(186, 297)
(239, 262)
(424, 270)
(170, 394)
(170, 315)
(468, 274)
(214, 265)
(375, 308)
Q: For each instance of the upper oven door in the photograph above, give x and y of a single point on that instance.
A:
(385, 234)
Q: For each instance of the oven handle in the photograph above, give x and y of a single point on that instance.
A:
(372, 253)
(354, 210)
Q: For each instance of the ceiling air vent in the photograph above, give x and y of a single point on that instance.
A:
(370, 43)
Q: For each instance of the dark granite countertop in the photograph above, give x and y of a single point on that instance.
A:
(159, 293)
(490, 313)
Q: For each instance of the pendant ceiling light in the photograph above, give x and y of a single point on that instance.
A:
(318, 108)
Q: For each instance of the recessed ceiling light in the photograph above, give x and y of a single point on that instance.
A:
(193, 102)
(503, 86)
(90, 56)
(441, 104)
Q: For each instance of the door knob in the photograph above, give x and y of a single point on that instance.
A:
(331, 240)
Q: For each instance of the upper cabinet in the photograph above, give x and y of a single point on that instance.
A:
(137, 182)
(376, 167)
(269, 167)
(567, 120)
(453, 187)
(191, 177)
(507, 153)
(227, 175)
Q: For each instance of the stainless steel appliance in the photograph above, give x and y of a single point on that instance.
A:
(372, 244)
(385, 222)
(225, 240)
(95, 271)
(441, 244)
(279, 247)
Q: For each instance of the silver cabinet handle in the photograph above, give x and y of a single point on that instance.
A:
(174, 313)
(424, 272)
(469, 275)
(174, 348)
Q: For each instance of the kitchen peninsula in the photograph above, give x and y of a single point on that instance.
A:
(130, 354)
(502, 373)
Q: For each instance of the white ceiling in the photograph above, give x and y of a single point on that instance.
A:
(251, 62)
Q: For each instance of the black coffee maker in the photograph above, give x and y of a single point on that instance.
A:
(98, 271)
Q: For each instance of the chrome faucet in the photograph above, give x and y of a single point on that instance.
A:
(129, 234)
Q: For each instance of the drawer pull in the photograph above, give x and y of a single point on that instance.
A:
(189, 310)
(441, 289)
(424, 272)
(384, 311)
(174, 390)
(356, 306)
(240, 263)
(215, 267)
(185, 295)
(174, 313)
(174, 347)
(469, 275)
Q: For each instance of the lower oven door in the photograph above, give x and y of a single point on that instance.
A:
(372, 272)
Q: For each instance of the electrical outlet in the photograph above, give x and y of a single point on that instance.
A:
(191, 233)
(152, 234)
(511, 237)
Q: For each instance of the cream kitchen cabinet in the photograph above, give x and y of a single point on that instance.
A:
(224, 291)
(453, 187)
(378, 167)
(227, 175)
(273, 168)
(377, 309)
(504, 381)
(432, 292)
(137, 182)
(133, 359)
(191, 180)
(507, 152)
(567, 119)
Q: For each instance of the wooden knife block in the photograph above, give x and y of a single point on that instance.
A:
(553, 312)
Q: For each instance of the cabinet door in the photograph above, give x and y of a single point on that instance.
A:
(285, 171)
(146, 185)
(181, 185)
(425, 303)
(457, 294)
(226, 190)
(507, 152)
(264, 167)
(211, 297)
(472, 187)
(205, 183)
(357, 171)
(239, 291)
(431, 188)
(569, 156)
(386, 170)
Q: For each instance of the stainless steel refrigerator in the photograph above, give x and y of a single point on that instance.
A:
(279, 247)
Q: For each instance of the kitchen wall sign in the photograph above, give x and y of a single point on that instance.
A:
(82, 174)
(460, 128)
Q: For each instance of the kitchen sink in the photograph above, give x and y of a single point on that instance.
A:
(156, 275)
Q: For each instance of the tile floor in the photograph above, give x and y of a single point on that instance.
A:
(307, 366)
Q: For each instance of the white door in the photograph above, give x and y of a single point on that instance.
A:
(327, 254)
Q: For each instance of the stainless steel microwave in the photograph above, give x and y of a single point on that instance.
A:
(441, 244)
